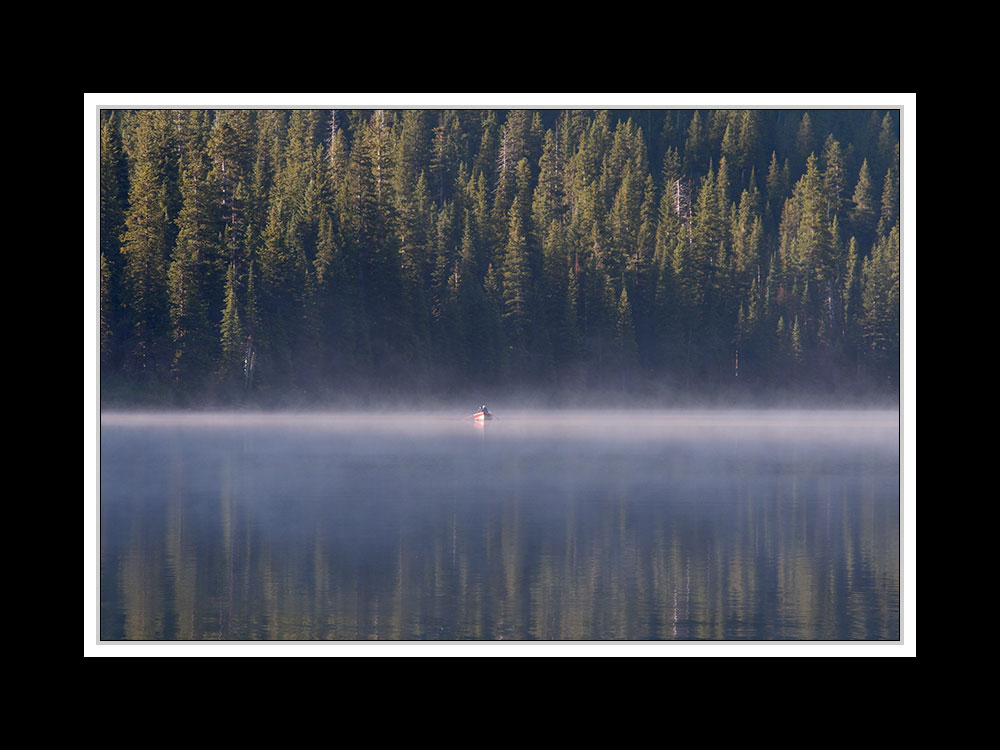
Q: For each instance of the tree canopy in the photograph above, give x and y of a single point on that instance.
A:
(264, 256)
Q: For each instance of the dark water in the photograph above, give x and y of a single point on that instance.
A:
(583, 526)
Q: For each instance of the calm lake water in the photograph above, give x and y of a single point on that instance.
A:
(582, 526)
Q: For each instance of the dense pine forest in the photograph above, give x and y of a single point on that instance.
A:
(304, 256)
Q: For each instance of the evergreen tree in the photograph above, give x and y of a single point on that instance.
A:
(416, 227)
(492, 356)
(557, 273)
(777, 188)
(813, 234)
(232, 335)
(886, 145)
(338, 309)
(276, 299)
(796, 342)
(862, 212)
(549, 202)
(747, 234)
(889, 213)
(195, 272)
(517, 287)
(337, 157)
(880, 306)
(641, 268)
(852, 290)
(748, 143)
(783, 347)
(805, 139)
(413, 157)
(106, 305)
(834, 177)
(149, 237)
(696, 147)
(113, 201)
(625, 331)
(469, 307)
(708, 233)
(230, 149)
(443, 288)
(663, 312)
(445, 147)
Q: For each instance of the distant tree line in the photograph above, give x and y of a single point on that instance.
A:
(262, 255)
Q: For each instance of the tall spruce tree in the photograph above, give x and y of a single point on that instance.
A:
(232, 338)
(862, 214)
(148, 241)
(880, 297)
(195, 274)
(517, 284)
(834, 177)
(113, 202)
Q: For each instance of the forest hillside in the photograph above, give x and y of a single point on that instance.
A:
(263, 256)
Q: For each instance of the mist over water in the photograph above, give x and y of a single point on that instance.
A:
(542, 525)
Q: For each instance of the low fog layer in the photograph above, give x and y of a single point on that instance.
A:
(848, 427)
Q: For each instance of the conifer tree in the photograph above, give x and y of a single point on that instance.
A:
(624, 221)
(862, 213)
(337, 158)
(413, 157)
(886, 145)
(641, 266)
(276, 298)
(230, 149)
(416, 227)
(663, 311)
(468, 302)
(232, 336)
(834, 177)
(272, 135)
(748, 141)
(747, 234)
(195, 272)
(445, 146)
(805, 139)
(105, 308)
(549, 201)
(383, 282)
(852, 294)
(708, 229)
(556, 275)
(337, 306)
(486, 159)
(517, 286)
(880, 305)
(148, 239)
(782, 345)
(492, 357)
(443, 285)
(796, 342)
(625, 331)
(777, 187)
(308, 351)
(813, 232)
(253, 325)
(696, 147)
(889, 214)
(113, 201)
(370, 218)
